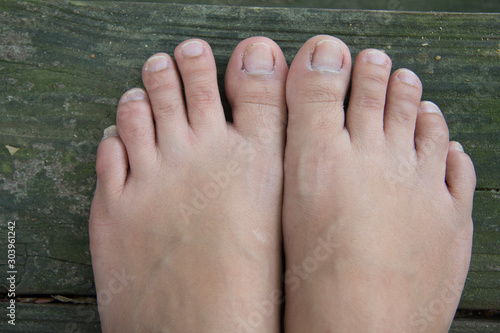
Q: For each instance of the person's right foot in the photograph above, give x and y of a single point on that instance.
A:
(377, 202)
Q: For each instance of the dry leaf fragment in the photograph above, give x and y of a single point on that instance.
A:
(12, 150)
(44, 300)
(74, 300)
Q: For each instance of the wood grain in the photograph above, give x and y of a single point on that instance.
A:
(64, 65)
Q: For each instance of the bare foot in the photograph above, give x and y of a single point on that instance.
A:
(377, 209)
(185, 225)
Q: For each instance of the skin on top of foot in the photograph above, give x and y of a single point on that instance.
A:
(377, 206)
(186, 225)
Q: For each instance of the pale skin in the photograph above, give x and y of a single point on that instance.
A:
(372, 204)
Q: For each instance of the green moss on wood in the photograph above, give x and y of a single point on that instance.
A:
(64, 65)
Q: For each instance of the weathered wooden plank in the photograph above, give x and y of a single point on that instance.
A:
(476, 325)
(63, 66)
(485, 6)
(52, 318)
(49, 318)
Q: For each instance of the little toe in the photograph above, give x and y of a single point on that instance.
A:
(431, 140)
(199, 76)
(163, 84)
(403, 99)
(135, 125)
(365, 114)
(316, 88)
(111, 162)
(460, 176)
(255, 88)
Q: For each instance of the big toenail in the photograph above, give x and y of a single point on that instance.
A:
(429, 107)
(133, 95)
(258, 59)
(192, 49)
(156, 63)
(408, 77)
(327, 56)
(377, 57)
(109, 132)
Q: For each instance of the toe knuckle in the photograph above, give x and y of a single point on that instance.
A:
(438, 129)
(265, 99)
(165, 107)
(376, 78)
(321, 94)
(369, 102)
(125, 113)
(129, 112)
(402, 115)
(158, 85)
(203, 95)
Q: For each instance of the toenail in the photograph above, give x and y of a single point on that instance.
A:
(408, 77)
(429, 107)
(327, 56)
(156, 63)
(109, 132)
(258, 59)
(376, 57)
(459, 147)
(133, 95)
(192, 49)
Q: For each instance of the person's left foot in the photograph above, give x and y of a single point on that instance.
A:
(185, 227)
(377, 203)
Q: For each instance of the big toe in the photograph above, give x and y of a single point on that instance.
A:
(317, 85)
(255, 88)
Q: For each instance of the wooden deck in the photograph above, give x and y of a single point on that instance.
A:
(64, 64)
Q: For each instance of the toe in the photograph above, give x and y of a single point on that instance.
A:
(134, 122)
(112, 162)
(164, 88)
(255, 88)
(431, 140)
(316, 87)
(365, 115)
(199, 76)
(403, 99)
(460, 176)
